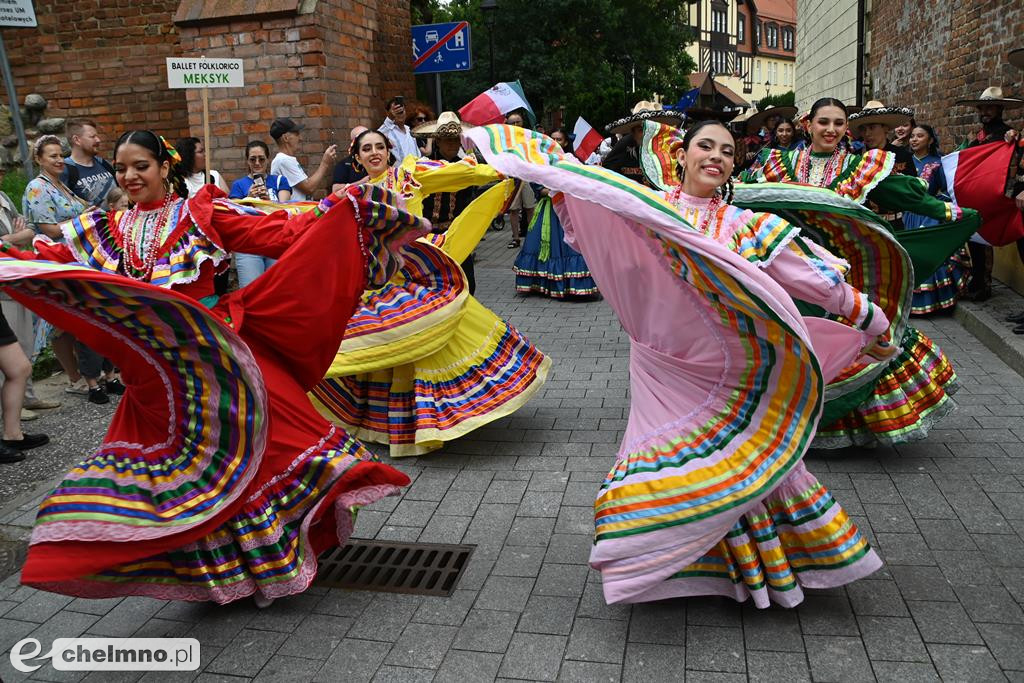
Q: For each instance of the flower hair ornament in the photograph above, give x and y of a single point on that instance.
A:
(171, 152)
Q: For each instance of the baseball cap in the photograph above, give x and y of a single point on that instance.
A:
(281, 126)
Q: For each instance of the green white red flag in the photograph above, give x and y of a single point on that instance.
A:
(492, 105)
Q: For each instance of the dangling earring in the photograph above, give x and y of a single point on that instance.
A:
(167, 185)
(730, 191)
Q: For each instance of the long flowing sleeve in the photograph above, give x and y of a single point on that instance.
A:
(436, 176)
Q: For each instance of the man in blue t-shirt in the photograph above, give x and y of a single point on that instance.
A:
(87, 174)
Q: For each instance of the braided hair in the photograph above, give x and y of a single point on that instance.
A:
(155, 145)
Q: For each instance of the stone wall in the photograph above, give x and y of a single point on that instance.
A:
(329, 64)
(826, 57)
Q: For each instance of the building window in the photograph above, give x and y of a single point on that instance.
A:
(741, 29)
(719, 21)
(771, 35)
(757, 33)
(757, 71)
(787, 39)
(720, 61)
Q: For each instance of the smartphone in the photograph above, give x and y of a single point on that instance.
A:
(258, 181)
(399, 101)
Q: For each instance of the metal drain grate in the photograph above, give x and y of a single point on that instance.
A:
(419, 568)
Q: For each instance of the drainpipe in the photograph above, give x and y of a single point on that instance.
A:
(861, 14)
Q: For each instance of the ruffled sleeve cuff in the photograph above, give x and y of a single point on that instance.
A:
(385, 227)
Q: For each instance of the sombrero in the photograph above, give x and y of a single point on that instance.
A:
(447, 125)
(645, 111)
(876, 112)
(758, 119)
(1016, 57)
(993, 95)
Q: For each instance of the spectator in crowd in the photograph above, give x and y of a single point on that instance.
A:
(258, 185)
(15, 231)
(784, 136)
(873, 124)
(117, 200)
(47, 203)
(403, 144)
(347, 171)
(525, 199)
(288, 136)
(87, 174)
(16, 369)
(419, 114)
(193, 166)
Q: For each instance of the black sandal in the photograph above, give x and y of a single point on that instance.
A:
(514, 244)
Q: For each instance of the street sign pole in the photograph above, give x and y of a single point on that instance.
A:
(12, 97)
(437, 93)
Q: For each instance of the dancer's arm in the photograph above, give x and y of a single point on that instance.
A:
(452, 177)
(907, 193)
(268, 235)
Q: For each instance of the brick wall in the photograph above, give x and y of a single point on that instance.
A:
(101, 59)
(328, 64)
(929, 54)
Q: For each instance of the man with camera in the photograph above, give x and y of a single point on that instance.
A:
(402, 140)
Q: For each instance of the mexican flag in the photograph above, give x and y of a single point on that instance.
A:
(585, 139)
(977, 177)
(492, 105)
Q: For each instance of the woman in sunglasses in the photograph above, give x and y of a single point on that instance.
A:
(257, 184)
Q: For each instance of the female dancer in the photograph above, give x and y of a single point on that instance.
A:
(912, 393)
(424, 362)
(940, 291)
(546, 264)
(709, 495)
(217, 479)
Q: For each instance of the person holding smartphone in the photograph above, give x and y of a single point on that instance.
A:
(402, 141)
(258, 183)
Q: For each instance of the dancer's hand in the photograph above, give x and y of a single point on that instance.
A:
(1020, 201)
(880, 349)
(1011, 135)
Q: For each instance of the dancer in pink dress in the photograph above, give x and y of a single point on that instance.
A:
(708, 495)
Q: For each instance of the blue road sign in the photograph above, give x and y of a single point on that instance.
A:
(437, 48)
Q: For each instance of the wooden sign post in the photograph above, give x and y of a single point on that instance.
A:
(186, 72)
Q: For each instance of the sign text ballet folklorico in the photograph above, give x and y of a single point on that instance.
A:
(199, 72)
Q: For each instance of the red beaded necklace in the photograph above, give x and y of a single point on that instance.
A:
(831, 171)
(710, 211)
(141, 239)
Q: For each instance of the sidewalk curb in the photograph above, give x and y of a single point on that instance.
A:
(993, 333)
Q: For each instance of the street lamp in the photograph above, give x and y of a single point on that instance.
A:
(489, 7)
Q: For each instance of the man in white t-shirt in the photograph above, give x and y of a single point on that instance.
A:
(286, 134)
(402, 141)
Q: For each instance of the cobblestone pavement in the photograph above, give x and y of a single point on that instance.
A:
(946, 514)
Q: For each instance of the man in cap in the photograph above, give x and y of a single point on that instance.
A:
(287, 135)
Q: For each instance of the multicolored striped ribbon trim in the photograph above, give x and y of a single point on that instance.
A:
(214, 402)
(860, 174)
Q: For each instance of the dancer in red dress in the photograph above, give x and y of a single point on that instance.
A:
(217, 479)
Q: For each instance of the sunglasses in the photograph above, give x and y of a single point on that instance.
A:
(257, 159)
(420, 118)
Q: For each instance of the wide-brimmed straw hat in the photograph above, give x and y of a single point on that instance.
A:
(876, 112)
(447, 125)
(645, 111)
(758, 119)
(1016, 57)
(993, 95)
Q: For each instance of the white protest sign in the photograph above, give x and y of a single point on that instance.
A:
(17, 13)
(204, 72)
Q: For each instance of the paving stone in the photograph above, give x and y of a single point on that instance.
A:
(531, 531)
(540, 504)
(711, 648)
(286, 613)
(486, 631)
(661, 622)
(943, 622)
(162, 628)
(575, 520)
(39, 606)
(450, 611)
(385, 618)
(445, 529)
(533, 657)
(922, 583)
(548, 481)
(247, 653)
(561, 579)
(826, 615)
(101, 607)
(324, 629)
(772, 629)
(592, 604)
(903, 549)
(460, 502)
(945, 534)
(597, 640)
(283, 669)
(219, 627)
(905, 672)
(548, 614)
(966, 568)
(519, 560)
(344, 603)
(412, 513)
(876, 599)
(353, 661)
(569, 548)
(472, 480)
(1001, 550)
(713, 611)
(588, 672)
(771, 667)
(460, 666)
(964, 663)
(505, 593)
(892, 638)
(990, 603)
(422, 646)
(838, 658)
(649, 662)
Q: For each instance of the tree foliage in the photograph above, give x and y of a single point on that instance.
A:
(580, 56)
(785, 99)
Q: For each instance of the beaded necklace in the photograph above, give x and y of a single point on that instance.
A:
(710, 211)
(141, 232)
(808, 172)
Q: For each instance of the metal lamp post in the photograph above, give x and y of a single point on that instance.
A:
(488, 7)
